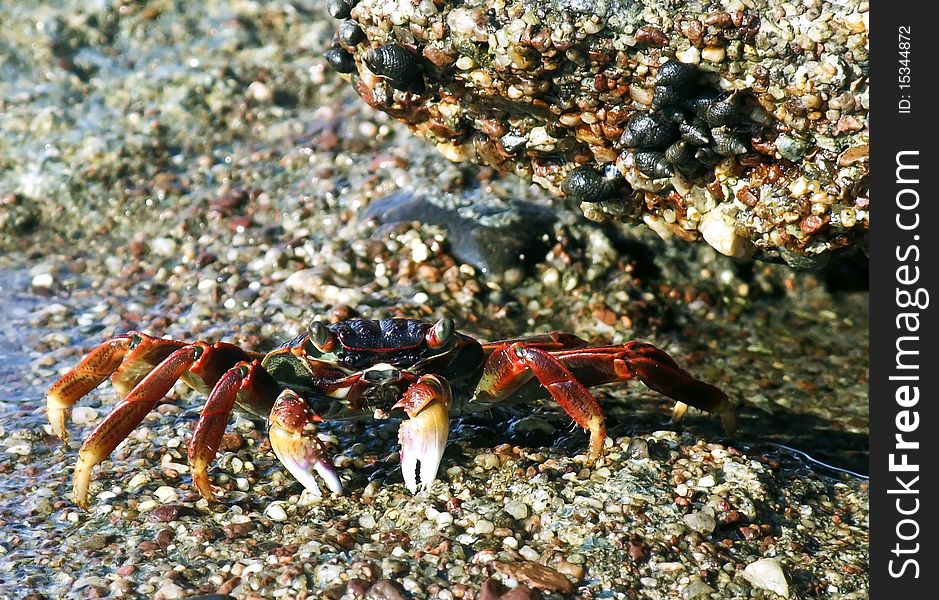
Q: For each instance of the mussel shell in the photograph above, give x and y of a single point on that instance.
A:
(340, 60)
(695, 132)
(723, 110)
(706, 157)
(394, 63)
(676, 74)
(350, 33)
(727, 142)
(681, 155)
(339, 9)
(653, 165)
(587, 184)
(666, 95)
(648, 130)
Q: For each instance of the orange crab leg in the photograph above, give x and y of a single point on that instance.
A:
(198, 364)
(125, 358)
(247, 383)
(128, 414)
(509, 368)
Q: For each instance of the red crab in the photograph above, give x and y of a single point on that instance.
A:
(359, 368)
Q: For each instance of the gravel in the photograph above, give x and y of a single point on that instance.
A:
(203, 175)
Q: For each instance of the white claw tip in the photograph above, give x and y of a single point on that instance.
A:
(423, 439)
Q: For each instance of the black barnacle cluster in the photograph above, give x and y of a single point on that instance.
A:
(690, 127)
(393, 63)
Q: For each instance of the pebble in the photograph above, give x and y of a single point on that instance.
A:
(703, 521)
(169, 591)
(275, 511)
(484, 527)
(518, 510)
(166, 494)
(84, 415)
(696, 589)
(20, 447)
(43, 280)
(767, 574)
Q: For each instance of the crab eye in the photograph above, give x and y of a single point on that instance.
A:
(441, 334)
(320, 336)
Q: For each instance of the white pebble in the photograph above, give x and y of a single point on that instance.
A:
(137, 481)
(719, 231)
(43, 280)
(260, 91)
(84, 415)
(168, 591)
(20, 447)
(483, 527)
(275, 511)
(529, 553)
(366, 521)
(518, 510)
(767, 574)
(166, 494)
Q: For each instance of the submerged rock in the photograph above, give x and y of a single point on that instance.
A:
(491, 234)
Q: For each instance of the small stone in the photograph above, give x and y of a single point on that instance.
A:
(713, 54)
(767, 574)
(638, 448)
(168, 591)
(702, 521)
(275, 511)
(20, 448)
(43, 280)
(719, 231)
(696, 589)
(164, 514)
(84, 415)
(384, 590)
(484, 527)
(518, 510)
(166, 494)
(534, 575)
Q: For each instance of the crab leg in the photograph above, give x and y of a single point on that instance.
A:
(125, 358)
(200, 358)
(294, 441)
(654, 368)
(247, 383)
(423, 436)
(507, 369)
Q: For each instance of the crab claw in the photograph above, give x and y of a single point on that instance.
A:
(423, 436)
(297, 446)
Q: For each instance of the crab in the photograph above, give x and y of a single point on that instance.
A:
(360, 368)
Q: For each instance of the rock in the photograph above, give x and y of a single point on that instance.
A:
(166, 494)
(384, 590)
(702, 521)
(484, 231)
(494, 77)
(518, 510)
(493, 590)
(696, 589)
(275, 511)
(534, 575)
(767, 574)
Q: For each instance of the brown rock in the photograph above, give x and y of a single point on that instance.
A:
(535, 575)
